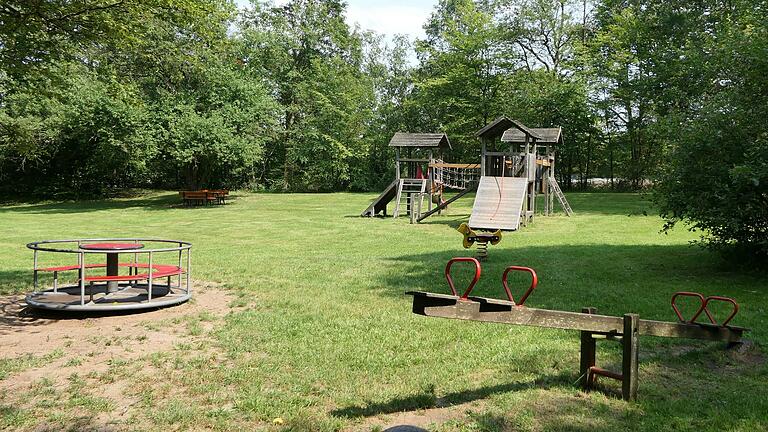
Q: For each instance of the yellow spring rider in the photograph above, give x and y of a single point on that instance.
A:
(481, 238)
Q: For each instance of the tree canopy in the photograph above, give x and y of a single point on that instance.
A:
(101, 95)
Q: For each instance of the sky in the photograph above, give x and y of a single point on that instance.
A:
(387, 17)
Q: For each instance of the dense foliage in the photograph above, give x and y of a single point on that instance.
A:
(100, 95)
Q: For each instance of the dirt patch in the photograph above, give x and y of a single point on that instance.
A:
(747, 354)
(45, 354)
(421, 418)
(26, 331)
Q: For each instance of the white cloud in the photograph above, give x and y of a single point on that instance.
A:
(387, 17)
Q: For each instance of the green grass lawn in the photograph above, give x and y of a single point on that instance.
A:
(326, 340)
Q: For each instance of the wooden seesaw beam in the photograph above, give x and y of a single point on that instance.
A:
(626, 330)
(505, 312)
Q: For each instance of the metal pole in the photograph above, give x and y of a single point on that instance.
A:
(82, 278)
(180, 251)
(189, 269)
(34, 272)
(149, 283)
(134, 270)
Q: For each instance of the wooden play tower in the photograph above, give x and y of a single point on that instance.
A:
(516, 164)
(414, 155)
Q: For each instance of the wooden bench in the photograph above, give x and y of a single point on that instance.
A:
(197, 198)
(158, 271)
(220, 194)
(204, 197)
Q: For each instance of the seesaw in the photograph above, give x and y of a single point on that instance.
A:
(626, 330)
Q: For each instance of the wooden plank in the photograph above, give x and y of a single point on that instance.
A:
(414, 160)
(498, 203)
(380, 203)
(454, 165)
(446, 203)
(690, 331)
(505, 312)
(397, 198)
(629, 362)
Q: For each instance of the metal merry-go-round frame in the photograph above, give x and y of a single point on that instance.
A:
(134, 291)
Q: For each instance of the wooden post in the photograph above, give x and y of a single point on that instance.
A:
(545, 172)
(588, 352)
(431, 184)
(482, 157)
(629, 364)
(552, 174)
(397, 163)
(532, 197)
(412, 207)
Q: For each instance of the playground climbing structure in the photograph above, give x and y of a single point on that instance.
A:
(414, 175)
(516, 164)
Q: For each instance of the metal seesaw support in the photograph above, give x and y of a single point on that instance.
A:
(626, 330)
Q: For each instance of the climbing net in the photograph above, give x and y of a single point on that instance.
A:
(455, 176)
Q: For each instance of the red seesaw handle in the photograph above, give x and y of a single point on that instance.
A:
(471, 284)
(534, 282)
(722, 299)
(701, 308)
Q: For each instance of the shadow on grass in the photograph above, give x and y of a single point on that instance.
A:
(617, 204)
(156, 203)
(620, 279)
(609, 203)
(160, 202)
(427, 399)
(15, 281)
(616, 279)
(11, 415)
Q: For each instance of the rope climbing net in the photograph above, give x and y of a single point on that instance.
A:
(455, 175)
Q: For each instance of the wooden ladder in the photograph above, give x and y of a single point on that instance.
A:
(560, 196)
(410, 186)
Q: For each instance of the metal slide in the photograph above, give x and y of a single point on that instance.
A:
(498, 203)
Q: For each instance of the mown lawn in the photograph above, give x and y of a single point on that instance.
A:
(325, 339)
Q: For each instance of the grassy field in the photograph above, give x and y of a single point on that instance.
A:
(320, 334)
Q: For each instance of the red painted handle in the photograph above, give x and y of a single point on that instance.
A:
(471, 284)
(689, 294)
(722, 299)
(703, 307)
(534, 282)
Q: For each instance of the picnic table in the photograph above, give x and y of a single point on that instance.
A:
(204, 196)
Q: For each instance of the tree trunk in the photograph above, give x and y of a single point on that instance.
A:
(589, 159)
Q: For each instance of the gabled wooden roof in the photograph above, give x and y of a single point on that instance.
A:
(548, 135)
(402, 139)
(497, 128)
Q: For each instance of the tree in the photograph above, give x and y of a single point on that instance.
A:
(99, 96)
(315, 62)
(462, 69)
(718, 160)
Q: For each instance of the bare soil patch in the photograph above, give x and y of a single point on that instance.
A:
(55, 352)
